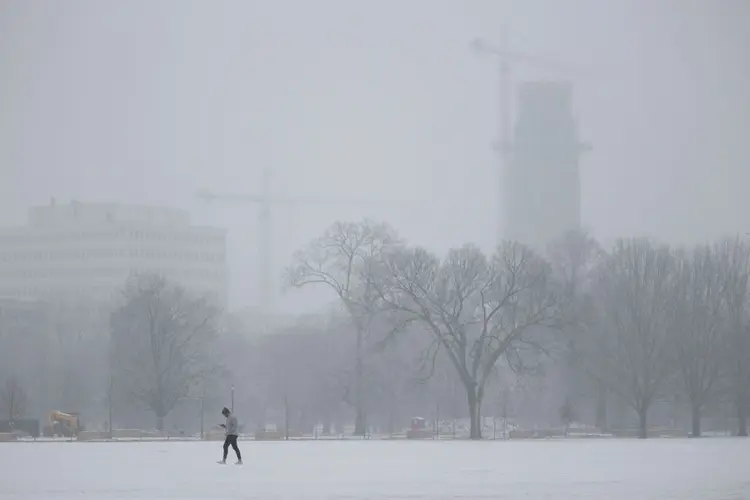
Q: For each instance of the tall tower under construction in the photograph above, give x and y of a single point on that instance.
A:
(541, 179)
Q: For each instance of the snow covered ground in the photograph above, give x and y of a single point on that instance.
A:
(715, 469)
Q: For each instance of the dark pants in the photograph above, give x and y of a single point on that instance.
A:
(231, 440)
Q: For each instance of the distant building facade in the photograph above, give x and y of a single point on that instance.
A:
(541, 178)
(90, 249)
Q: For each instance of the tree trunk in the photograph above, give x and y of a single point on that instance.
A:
(359, 419)
(601, 409)
(159, 423)
(696, 420)
(203, 414)
(286, 417)
(741, 417)
(475, 404)
(390, 425)
(110, 403)
(359, 422)
(642, 422)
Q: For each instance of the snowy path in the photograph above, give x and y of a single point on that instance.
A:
(715, 469)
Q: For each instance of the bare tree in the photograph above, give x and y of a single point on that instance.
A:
(634, 296)
(23, 340)
(303, 368)
(78, 351)
(476, 309)
(698, 327)
(13, 399)
(338, 259)
(574, 257)
(734, 255)
(162, 340)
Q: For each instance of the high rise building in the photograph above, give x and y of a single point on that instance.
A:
(541, 180)
(90, 249)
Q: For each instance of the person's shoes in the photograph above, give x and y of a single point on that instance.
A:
(221, 462)
(238, 462)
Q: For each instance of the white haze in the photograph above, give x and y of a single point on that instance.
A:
(148, 101)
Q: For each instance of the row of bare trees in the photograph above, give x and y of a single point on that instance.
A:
(50, 355)
(475, 309)
(640, 321)
(656, 321)
(302, 377)
(152, 350)
(163, 348)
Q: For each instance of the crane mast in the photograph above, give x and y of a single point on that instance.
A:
(266, 201)
(506, 57)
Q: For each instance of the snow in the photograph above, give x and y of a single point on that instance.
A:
(661, 469)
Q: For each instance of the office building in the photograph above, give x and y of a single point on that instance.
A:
(90, 249)
(541, 181)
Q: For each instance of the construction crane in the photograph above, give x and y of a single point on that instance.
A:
(506, 57)
(266, 201)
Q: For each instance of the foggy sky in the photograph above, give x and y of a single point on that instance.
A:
(147, 101)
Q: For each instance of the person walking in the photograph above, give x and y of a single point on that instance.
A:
(231, 429)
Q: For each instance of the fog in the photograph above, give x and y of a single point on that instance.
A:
(145, 102)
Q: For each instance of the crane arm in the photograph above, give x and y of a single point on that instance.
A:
(251, 198)
(210, 196)
(483, 47)
(328, 201)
